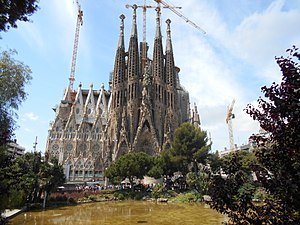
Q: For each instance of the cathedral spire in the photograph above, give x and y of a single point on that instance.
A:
(158, 31)
(121, 37)
(158, 91)
(134, 28)
(158, 56)
(133, 56)
(119, 69)
(169, 42)
(170, 64)
(133, 94)
(196, 117)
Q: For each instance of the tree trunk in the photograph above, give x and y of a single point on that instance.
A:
(45, 199)
(131, 182)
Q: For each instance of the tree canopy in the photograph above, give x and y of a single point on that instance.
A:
(14, 76)
(277, 162)
(279, 150)
(132, 165)
(233, 188)
(190, 146)
(13, 10)
(24, 179)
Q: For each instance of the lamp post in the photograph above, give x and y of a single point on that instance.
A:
(105, 179)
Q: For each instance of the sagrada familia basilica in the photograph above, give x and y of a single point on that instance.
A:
(140, 110)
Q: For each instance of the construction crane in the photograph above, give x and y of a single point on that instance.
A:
(145, 7)
(180, 15)
(35, 144)
(229, 118)
(74, 55)
(144, 43)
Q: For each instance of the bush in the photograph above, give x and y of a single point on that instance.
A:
(138, 196)
(16, 199)
(58, 198)
(92, 198)
(72, 201)
(157, 191)
(120, 196)
(188, 197)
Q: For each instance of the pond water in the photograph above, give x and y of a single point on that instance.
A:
(123, 213)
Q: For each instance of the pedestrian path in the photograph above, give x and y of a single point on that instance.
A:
(10, 212)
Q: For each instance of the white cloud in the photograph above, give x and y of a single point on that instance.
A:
(243, 120)
(264, 33)
(27, 130)
(31, 116)
(262, 36)
(257, 38)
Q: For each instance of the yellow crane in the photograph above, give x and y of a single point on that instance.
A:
(79, 23)
(172, 8)
(229, 118)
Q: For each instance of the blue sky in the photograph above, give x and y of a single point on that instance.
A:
(233, 60)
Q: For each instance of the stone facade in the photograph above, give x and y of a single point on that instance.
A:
(143, 106)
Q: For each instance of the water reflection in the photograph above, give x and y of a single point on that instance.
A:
(123, 213)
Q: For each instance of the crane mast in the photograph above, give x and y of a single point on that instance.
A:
(145, 7)
(180, 15)
(144, 46)
(229, 118)
(75, 47)
(144, 43)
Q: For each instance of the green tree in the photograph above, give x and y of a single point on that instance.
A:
(198, 181)
(28, 177)
(132, 165)
(162, 165)
(214, 161)
(14, 76)
(5, 162)
(157, 168)
(243, 158)
(189, 148)
(50, 176)
(13, 10)
(23, 178)
(232, 190)
(277, 153)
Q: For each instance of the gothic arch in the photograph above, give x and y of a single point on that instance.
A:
(146, 141)
(122, 149)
